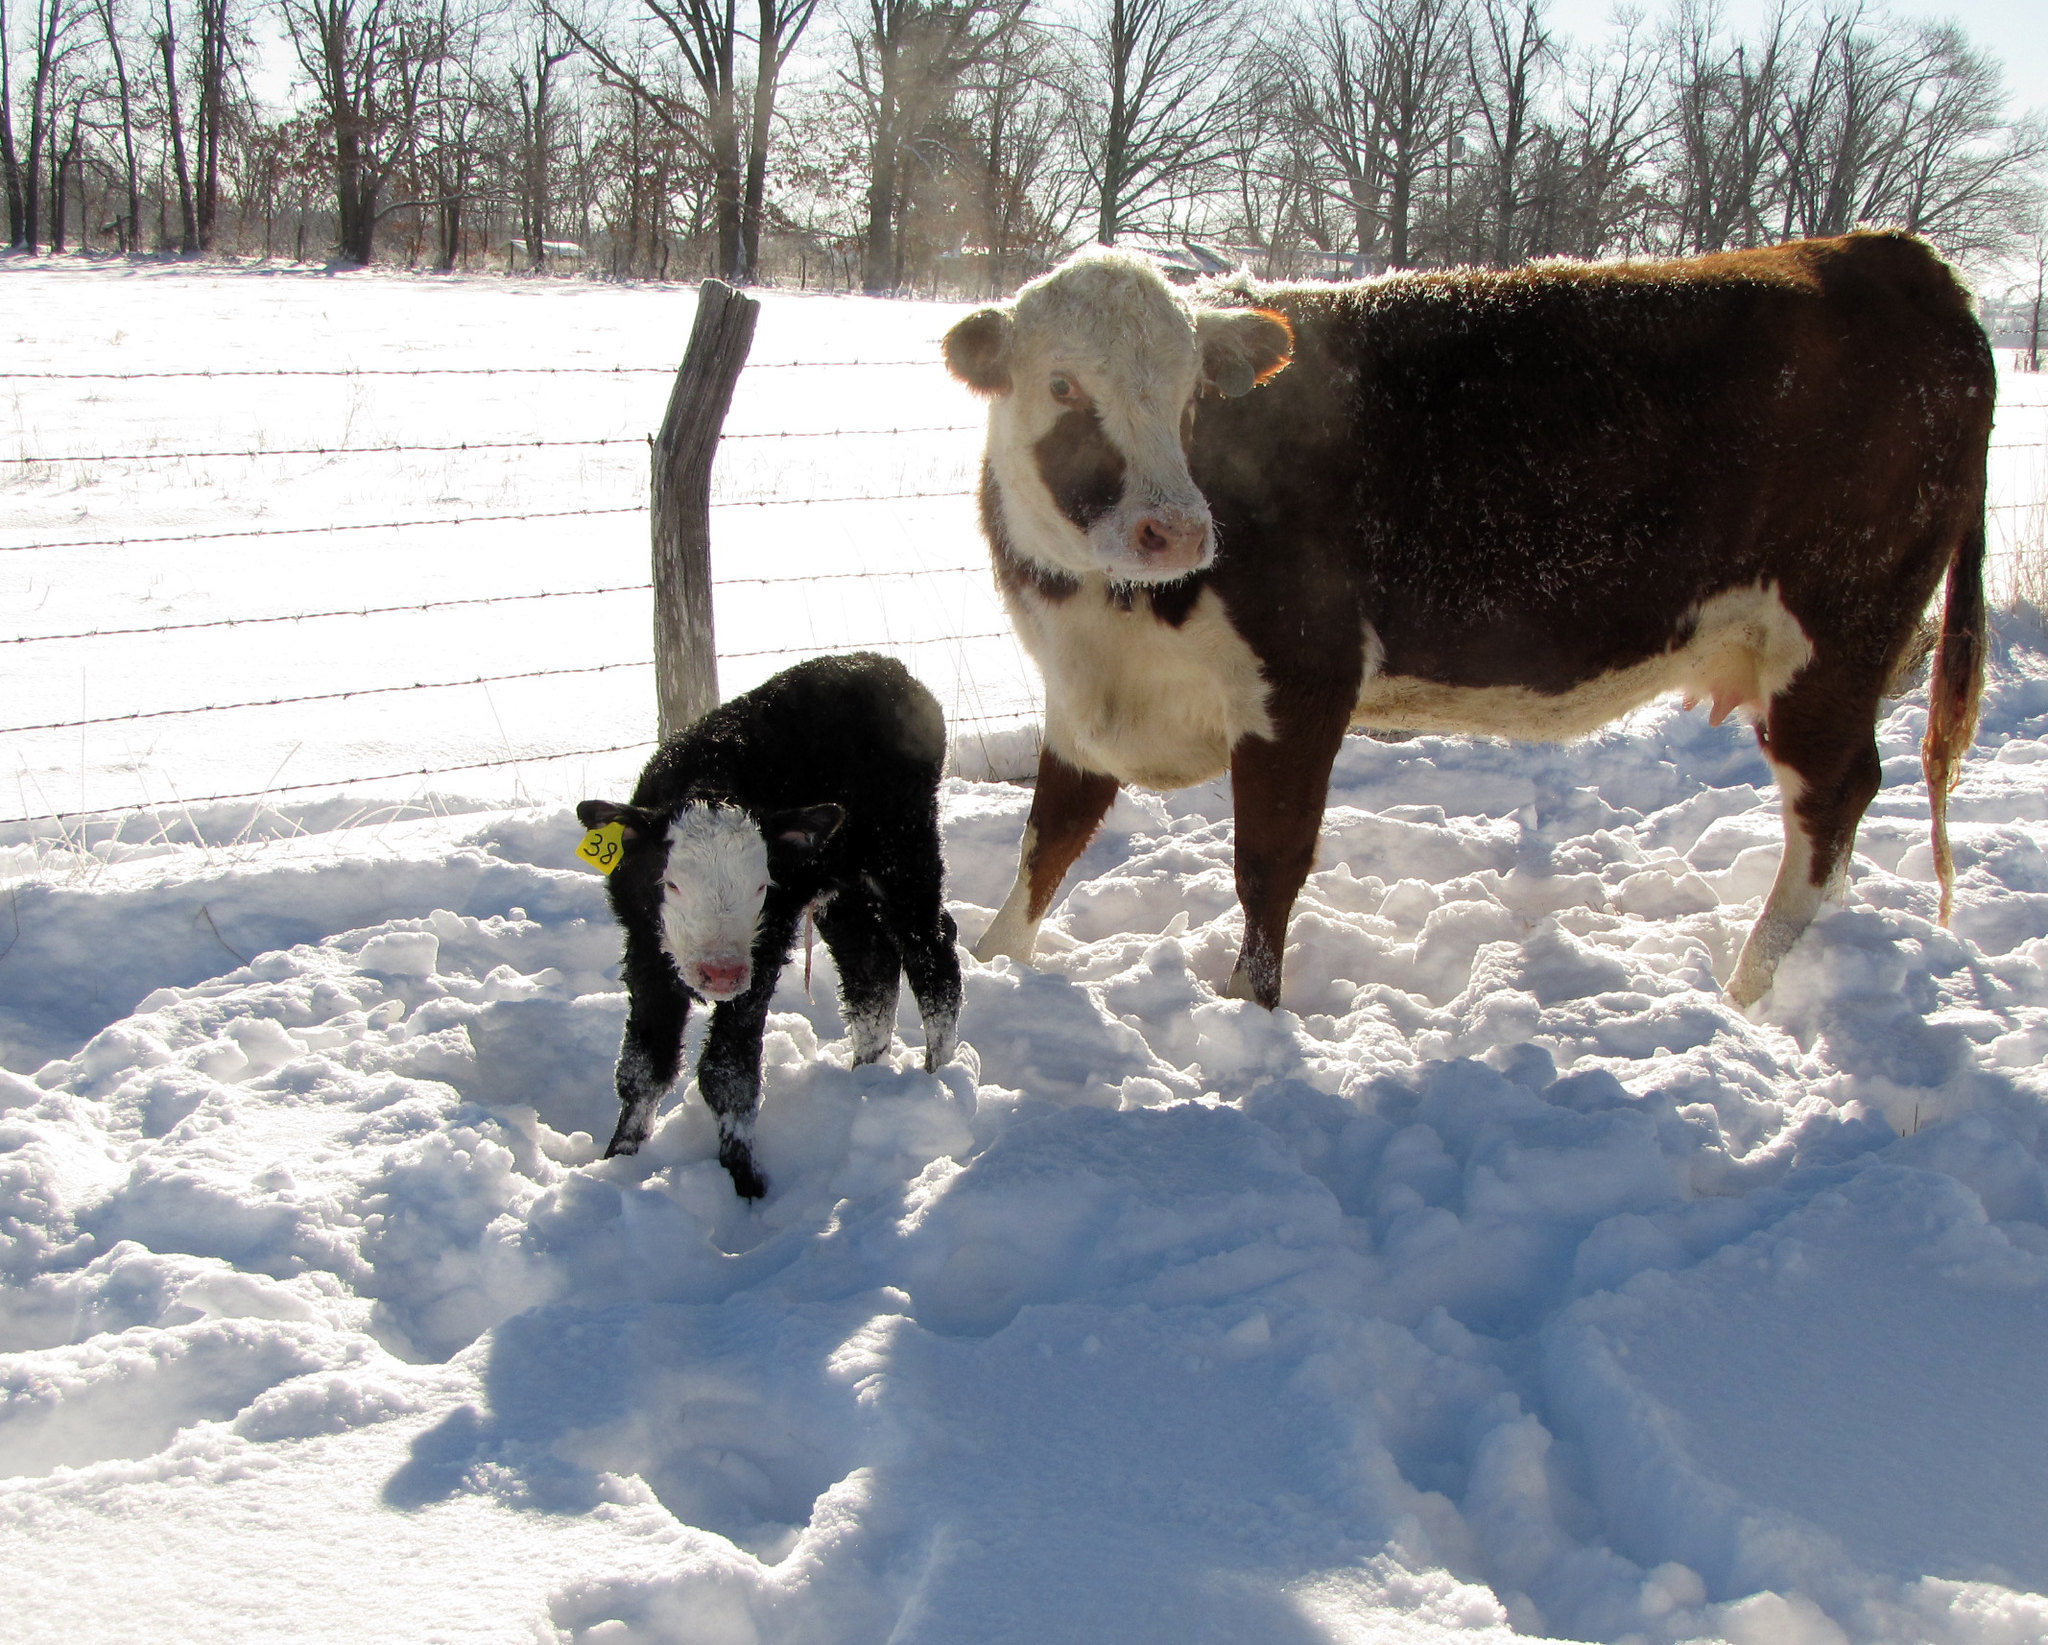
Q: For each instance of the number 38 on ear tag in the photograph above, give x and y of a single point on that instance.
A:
(602, 847)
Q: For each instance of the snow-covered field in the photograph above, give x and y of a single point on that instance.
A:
(1506, 1279)
(928, 582)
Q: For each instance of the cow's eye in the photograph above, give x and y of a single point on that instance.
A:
(1064, 391)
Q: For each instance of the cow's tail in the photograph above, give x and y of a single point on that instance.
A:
(1954, 685)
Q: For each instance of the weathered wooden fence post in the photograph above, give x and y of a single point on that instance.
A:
(685, 655)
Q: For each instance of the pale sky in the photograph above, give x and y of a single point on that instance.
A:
(2014, 31)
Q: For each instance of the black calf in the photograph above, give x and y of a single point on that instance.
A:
(818, 787)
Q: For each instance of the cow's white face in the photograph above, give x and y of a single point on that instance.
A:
(1093, 374)
(713, 881)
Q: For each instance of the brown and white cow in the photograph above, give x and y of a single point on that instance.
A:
(1231, 525)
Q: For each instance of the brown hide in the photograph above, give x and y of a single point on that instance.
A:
(1534, 479)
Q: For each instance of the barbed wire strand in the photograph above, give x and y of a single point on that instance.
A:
(315, 616)
(319, 530)
(469, 445)
(320, 697)
(864, 645)
(453, 685)
(465, 519)
(336, 782)
(933, 359)
(1020, 717)
(487, 599)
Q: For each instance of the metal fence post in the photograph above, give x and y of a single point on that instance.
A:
(685, 655)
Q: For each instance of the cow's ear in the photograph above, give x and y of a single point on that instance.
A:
(978, 351)
(635, 822)
(802, 831)
(1242, 348)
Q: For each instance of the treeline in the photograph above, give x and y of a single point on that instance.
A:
(961, 145)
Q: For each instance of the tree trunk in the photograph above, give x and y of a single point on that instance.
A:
(767, 69)
(2034, 331)
(167, 45)
(41, 91)
(132, 237)
(60, 162)
(10, 163)
(213, 52)
(355, 201)
(1399, 202)
(878, 269)
(1109, 207)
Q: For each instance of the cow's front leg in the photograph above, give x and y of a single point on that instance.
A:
(656, 1010)
(1066, 809)
(1279, 785)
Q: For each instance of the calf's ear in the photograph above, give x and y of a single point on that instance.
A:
(1242, 348)
(803, 830)
(596, 813)
(978, 351)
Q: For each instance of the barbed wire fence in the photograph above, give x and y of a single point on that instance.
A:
(2020, 529)
(64, 824)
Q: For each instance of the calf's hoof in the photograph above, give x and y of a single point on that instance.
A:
(738, 1161)
(621, 1143)
(940, 1044)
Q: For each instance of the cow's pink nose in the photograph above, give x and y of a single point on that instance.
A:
(1171, 542)
(722, 976)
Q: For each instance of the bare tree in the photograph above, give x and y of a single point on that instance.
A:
(1015, 105)
(910, 58)
(448, 150)
(705, 35)
(1609, 129)
(538, 119)
(1419, 49)
(167, 51)
(780, 27)
(732, 124)
(211, 111)
(368, 61)
(54, 42)
(1328, 86)
(2033, 229)
(10, 158)
(1721, 98)
(1965, 174)
(130, 225)
(1154, 107)
(1507, 53)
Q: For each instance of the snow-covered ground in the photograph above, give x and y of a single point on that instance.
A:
(1506, 1279)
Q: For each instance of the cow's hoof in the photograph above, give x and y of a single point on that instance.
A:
(1246, 984)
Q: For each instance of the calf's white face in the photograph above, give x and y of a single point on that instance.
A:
(1093, 374)
(713, 881)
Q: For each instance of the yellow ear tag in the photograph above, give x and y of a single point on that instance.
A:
(602, 847)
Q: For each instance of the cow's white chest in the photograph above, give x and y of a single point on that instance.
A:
(1151, 704)
(1743, 651)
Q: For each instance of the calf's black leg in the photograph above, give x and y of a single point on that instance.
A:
(656, 1010)
(729, 1071)
(925, 936)
(870, 972)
